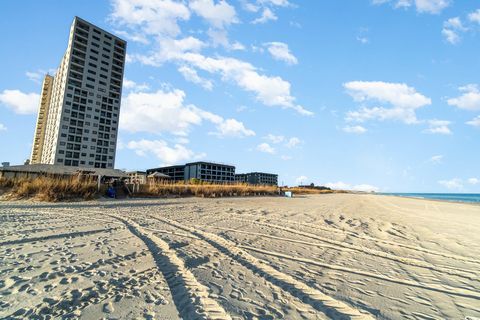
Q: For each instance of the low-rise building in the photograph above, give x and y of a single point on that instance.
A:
(259, 178)
(204, 171)
(210, 172)
(176, 173)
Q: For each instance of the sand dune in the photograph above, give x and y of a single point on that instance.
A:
(339, 256)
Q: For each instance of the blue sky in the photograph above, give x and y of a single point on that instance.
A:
(360, 94)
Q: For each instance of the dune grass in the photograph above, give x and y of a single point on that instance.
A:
(206, 190)
(49, 189)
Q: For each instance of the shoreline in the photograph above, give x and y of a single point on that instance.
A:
(475, 203)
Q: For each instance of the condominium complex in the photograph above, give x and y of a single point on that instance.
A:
(176, 173)
(257, 178)
(79, 109)
(205, 171)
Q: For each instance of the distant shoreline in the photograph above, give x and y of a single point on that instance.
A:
(449, 197)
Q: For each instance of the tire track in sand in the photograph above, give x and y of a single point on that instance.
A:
(317, 299)
(470, 275)
(365, 237)
(191, 297)
(428, 286)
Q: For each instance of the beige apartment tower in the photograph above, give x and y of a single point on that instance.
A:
(79, 110)
(39, 135)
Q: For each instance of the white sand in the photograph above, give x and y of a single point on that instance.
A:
(315, 257)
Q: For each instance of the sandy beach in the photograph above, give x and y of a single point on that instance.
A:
(337, 256)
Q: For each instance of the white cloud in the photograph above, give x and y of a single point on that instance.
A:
(281, 52)
(19, 102)
(422, 6)
(293, 142)
(474, 122)
(267, 15)
(159, 17)
(474, 16)
(355, 129)
(285, 157)
(452, 29)
(340, 185)
(191, 75)
(34, 76)
(469, 100)
(133, 86)
(165, 111)
(474, 181)
(3, 127)
(219, 37)
(274, 139)
(132, 36)
(266, 148)
(301, 180)
(436, 159)
(452, 184)
(438, 127)
(431, 6)
(233, 128)
(271, 91)
(167, 154)
(219, 14)
(141, 14)
(404, 100)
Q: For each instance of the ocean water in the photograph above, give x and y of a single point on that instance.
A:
(456, 197)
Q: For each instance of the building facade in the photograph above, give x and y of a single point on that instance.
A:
(43, 108)
(176, 173)
(81, 122)
(210, 172)
(258, 178)
(204, 171)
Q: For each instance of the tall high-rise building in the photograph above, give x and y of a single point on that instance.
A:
(79, 110)
(39, 135)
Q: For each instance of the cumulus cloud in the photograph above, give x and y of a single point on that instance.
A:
(20, 102)
(219, 14)
(165, 111)
(131, 85)
(468, 100)
(438, 127)
(293, 142)
(474, 181)
(3, 127)
(233, 128)
(452, 184)
(474, 122)
(267, 15)
(191, 75)
(266, 148)
(474, 16)
(422, 6)
(404, 100)
(452, 29)
(340, 185)
(281, 52)
(354, 129)
(274, 138)
(271, 91)
(158, 17)
(167, 154)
